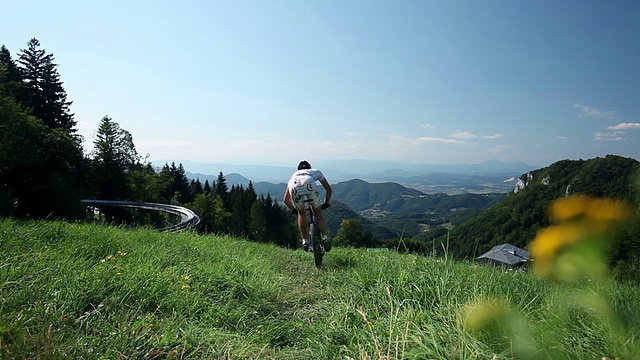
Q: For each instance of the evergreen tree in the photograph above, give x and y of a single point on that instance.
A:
(44, 91)
(258, 221)
(281, 230)
(207, 187)
(196, 187)
(59, 168)
(238, 217)
(178, 188)
(181, 184)
(114, 155)
(221, 189)
(175, 185)
(165, 183)
(10, 78)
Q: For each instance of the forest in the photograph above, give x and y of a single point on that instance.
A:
(45, 172)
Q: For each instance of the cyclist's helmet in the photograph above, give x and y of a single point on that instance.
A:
(304, 164)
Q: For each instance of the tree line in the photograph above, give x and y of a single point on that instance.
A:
(44, 171)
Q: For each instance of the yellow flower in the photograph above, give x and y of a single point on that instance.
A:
(568, 208)
(593, 209)
(550, 241)
(607, 210)
(187, 277)
(185, 286)
(582, 221)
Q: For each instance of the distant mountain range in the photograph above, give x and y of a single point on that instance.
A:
(342, 170)
(487, 177)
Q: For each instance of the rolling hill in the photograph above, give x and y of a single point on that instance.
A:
(517, 218)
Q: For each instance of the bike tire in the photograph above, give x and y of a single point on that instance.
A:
(315, 243)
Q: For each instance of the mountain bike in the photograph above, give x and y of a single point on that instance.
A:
(315, 235)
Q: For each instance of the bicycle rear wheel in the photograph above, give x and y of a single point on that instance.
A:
(318, 252)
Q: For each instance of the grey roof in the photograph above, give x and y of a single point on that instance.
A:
(506, 254)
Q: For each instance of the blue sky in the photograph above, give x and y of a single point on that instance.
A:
(271, 82)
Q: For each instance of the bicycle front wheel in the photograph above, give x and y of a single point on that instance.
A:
(315, 242)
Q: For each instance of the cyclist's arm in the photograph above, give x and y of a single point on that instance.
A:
(327, 190)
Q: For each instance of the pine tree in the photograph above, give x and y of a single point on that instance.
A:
(196, 187)
(54, 180)
(221, 189)
(181, 185)
(10, 78)
(114, 155)
(45, 94)
(207, 187)
(258, 221)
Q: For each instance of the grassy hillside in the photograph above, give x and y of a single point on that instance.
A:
(361, 195)
(95, 292)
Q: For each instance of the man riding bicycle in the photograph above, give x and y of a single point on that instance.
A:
(304, 181)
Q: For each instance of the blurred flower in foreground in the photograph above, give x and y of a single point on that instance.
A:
(576, 245)
(480, 315)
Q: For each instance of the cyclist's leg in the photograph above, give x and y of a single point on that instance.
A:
(322, 225)
(302, 224)
(298, 203)
(324, 229)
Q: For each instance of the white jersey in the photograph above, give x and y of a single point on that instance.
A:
(305, 178)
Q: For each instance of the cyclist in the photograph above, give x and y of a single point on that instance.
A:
(306, 178)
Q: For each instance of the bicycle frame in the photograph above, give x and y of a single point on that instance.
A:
(315, 237)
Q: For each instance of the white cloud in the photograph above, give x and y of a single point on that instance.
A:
(588, 111)
(463, 135)
(560, 137)
(612, 136)
(425, 126)
(439, 140)
(470, 135)
(354, 133)
(427, 139)
(625, 126)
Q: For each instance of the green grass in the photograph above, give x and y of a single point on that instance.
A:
(96, 292)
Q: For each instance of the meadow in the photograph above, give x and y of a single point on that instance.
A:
(87, 291)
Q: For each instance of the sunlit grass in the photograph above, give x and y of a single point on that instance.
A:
(88, 291)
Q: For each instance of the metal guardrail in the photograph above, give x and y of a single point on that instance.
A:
(188, 219)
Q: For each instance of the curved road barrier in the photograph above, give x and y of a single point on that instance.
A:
(188, 218)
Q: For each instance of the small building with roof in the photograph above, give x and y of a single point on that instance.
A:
(505, 255)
